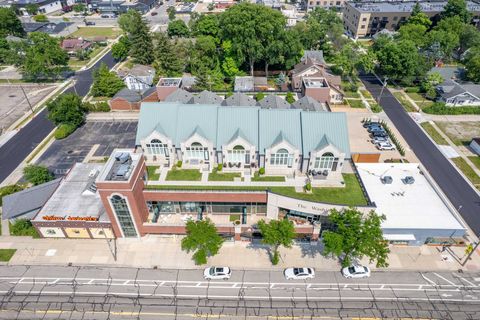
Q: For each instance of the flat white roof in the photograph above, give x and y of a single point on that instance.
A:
(406, 206)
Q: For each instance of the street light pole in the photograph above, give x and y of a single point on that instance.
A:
(26, 97)
(384, 84)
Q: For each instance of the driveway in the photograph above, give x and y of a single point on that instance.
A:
(459, 192)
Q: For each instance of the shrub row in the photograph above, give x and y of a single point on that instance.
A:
(394, 139)
(442, 109)
(64, 130)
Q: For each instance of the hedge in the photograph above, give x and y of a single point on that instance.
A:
(63, 131)
(442, 109)
(101, 106)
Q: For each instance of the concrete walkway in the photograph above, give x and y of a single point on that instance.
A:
(165, 252)
(5, 226)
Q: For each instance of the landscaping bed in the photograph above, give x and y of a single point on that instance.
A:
(151, 173)
(184, 175)
(257, 177)
(433, 133)
(23, 227)
(6, 254)
(355, 103)
(215, 175)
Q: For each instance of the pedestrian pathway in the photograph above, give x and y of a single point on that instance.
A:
(5, 227)
(156, 251)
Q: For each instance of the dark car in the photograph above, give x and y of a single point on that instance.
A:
(371, 124)
(154, 13)
(375, 129)
(89, 23)
(379, 134)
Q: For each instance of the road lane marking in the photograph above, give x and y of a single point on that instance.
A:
(470, 283)
(445, 279)
(431, 281)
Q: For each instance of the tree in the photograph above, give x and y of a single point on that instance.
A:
(418, 17)
(209, 79)
(205, 25)
(177, 28)
(203, 55)
(138, 32)
(230, 66)
(472, 64)
(448, 41)
(43, 57)
(67, 109)
(32, 9)
(250, 28)
(356, 236)
(277, 233)
(121, 49)
(10, 24)
(79, 7)
(413, 32)
(37, 174)
(289, 98)
(202, 239)
(429, 84)
(105, 82)
(469, 38)
(171, 13)
(167, 60)
(456, 8)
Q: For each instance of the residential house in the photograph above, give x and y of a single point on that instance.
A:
(54, 29)
(274, 102)
(179, 95)
(139, 77)
(74, 46)
(239, 99)
(128, 99)
(456, 94)
(44, 6)
(206, 97)
(308, 103)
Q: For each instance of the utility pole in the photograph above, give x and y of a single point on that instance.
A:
(383, 88)
(26, 97)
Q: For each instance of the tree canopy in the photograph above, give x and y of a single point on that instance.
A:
(138, 33)
(105, 82)
(356, 236)
(121, 49)
(10, 24)
(456, 8)
(177, 28)
(202, 239)
(67, 109)
(277, 233)
(37, 174)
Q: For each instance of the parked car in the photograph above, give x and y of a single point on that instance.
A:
(376, 140)
(371, 124)
(356, 272)
(374, 129)
(299, 273)
(154, 13)
(217, 273)
(89, 23)
(385, 146)
(382, 134)
(108, 15)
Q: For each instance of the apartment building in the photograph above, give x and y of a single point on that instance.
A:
(364, 19)
(326, 4)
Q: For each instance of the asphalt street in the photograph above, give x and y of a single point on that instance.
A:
(118, 293)
(21, 145)
(458, 191)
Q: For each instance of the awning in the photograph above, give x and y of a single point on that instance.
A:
(399, 237)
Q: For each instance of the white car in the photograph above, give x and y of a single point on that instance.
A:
(385, 146)
(356, 272)
(379, 140)
(217, 273)
(299, 273)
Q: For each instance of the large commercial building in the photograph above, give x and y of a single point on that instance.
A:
(364, 19)
(173, 176)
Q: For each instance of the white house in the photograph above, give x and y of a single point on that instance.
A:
(139, 77)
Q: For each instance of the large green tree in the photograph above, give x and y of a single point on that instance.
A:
(10, 24)
(472, 64)
(456, 8)
(106, 83)
(138, 32)
(121, 49)
(37, 174)
(414, 32)
(251, 28)
(177, 28)
(202, 239)
(67, 109)
(203, 54)
(167, 60)
(43, 57)
(355, 236)
(205, 25)
(429, 84)
(418, 17)
(277, 233)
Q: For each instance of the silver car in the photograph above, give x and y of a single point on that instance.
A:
(299, 273)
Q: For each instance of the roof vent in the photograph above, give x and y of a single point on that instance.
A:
(408, 180)
(122, 157)
(386, 180)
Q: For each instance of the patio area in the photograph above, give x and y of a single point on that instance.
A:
(218, 219)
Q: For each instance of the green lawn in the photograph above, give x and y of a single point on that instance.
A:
(375, 107)
(415, 96)
(433, 133)
(467, 171)
(351, 94)
(475, 160)
(23, 227)
(151, 173)
(91, 32)
(223, 176)
(350, 195)
(355, 103)
(6, 254)
(78, 64)
(405, 103)
(366, 94)
(184, 175)
(257, 177)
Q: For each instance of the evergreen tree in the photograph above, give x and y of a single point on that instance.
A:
(138, 32)
(167, 61)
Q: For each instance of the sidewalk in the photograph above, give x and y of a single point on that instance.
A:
(162, 252)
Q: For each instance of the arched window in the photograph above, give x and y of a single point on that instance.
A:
(120, 208)
(237, 154)
(281, 158)
(196, 151)
(157, 147)
(238, 147)
(325, 162)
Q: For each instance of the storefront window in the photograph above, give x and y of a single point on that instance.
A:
(124, 218)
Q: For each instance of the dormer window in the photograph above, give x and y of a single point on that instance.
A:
(281, 158)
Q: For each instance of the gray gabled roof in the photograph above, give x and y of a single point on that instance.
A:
(274, 102)
(316, 55)
(239, 134)
(179, 95)
(206, 97)
(280, 138)
(239, 99)
(448, 73)
(134, 95)
(450, 88)
(28, 201)
(324, 143)
(309, 104)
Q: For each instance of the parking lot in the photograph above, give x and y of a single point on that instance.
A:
(13, 104)
(62, 154)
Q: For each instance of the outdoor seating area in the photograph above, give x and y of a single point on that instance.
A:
(218, 219)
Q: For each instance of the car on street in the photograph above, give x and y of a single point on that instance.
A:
(299, 273)
(217, 273)
(356, 272)
(385, 146)
(89, 23)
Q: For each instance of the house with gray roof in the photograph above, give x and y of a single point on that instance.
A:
(128, 99)
(274, 102)
(315, 55)
(456, 94)
(179, 95)
(239, 99)
(27, 203)
(283, 141)
(139, 77)
(206, 97)
(309, 104)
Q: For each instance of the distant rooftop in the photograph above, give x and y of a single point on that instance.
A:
(120, 166)
(169, 82)
(407, 6)
(315, 82)
(76, 195)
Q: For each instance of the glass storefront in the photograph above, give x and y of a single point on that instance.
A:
(122, 212)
